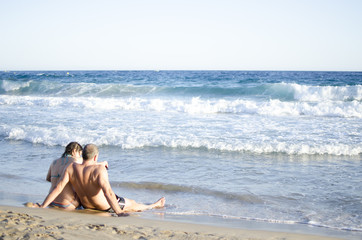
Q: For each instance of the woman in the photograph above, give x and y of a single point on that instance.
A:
(67, 199)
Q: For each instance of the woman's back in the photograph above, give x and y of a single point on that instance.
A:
(67, 199)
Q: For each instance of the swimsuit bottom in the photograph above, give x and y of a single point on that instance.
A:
(121, 203)
(56, 204)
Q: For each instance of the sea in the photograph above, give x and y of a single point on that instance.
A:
(238, 148)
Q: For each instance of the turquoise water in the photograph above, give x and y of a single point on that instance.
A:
(280, 147)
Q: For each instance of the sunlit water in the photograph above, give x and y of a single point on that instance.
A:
(279, 147)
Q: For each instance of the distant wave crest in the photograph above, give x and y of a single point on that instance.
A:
(196, 105)
(266, 91)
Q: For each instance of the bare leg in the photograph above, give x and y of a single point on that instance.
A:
(133, 206)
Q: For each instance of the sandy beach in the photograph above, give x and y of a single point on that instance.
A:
(29, 223)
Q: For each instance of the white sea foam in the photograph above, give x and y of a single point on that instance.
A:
(252, 124)
(196, 105)
(282, 91)
(61, 135)
(257, 148)
(326, 93)
(8, 86)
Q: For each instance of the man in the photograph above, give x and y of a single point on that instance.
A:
(90, 182)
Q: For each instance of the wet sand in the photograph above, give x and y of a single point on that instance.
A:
(30, 223)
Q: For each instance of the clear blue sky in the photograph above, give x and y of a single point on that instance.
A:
(181, 35)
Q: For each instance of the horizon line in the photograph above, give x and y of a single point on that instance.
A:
(170, 70)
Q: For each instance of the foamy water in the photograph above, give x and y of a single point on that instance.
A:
(267, 146)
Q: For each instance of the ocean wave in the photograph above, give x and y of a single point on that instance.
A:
(61, 135)
(12, 86)
(278, 91)
(196, 105)
(327, 93)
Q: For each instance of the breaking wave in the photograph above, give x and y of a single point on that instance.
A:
(195, 105)
(280, 91)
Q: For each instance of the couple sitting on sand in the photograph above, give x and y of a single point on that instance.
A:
(76, 181)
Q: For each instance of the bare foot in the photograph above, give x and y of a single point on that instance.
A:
(32, 205)
(160, 203)
(28, 204)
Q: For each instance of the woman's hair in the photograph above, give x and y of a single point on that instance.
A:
(70, 147)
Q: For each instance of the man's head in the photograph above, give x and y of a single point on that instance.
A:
(89, 151)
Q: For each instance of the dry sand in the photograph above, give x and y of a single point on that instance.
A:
(30, 223)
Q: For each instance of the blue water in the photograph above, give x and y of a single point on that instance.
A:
(264, 146)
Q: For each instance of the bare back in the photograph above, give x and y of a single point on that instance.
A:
(56, 169)
(88, 181)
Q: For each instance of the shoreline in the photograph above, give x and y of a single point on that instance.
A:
(23, 222)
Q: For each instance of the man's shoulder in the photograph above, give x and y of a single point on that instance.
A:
(99, 172)
(72, 166)
(99, 168)
(95, 169)
(94, 173)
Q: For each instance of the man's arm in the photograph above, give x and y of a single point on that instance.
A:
(58, 189)
(108, 192)
(105, 164)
